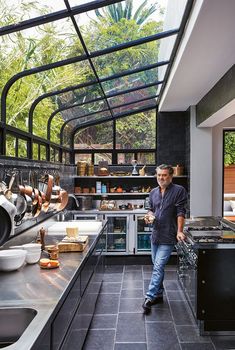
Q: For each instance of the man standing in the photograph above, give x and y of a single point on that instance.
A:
(166, 213)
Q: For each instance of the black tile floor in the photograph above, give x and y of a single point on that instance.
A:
(119, 323)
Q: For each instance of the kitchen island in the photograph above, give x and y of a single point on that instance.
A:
(47, 302)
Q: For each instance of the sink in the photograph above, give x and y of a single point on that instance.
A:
(14, 322)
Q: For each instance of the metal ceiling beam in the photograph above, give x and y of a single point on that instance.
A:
(118, 106)
(90, 83)
(103, 120)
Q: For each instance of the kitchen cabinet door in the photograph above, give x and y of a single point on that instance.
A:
(142, 235)
(117, 233)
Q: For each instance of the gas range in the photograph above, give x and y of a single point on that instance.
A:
(218, 236)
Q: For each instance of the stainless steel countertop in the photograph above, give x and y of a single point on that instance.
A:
(37, 288)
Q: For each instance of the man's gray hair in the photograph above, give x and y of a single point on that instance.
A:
(165, 166)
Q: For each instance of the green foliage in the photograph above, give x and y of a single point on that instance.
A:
(119, 11)
(229, 148)
(48, 43)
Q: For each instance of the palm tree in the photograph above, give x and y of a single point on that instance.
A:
(118, 11)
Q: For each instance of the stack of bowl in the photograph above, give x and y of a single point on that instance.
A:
(12, 259)
(32, 250)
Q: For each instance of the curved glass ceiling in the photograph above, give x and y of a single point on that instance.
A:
(67, 64)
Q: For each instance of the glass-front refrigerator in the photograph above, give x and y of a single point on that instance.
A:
(143, 233)
(117, 233)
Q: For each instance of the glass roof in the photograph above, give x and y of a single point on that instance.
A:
(70, 63)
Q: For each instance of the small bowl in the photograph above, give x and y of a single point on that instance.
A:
(12, 259)
(32, 247)
(33, 257)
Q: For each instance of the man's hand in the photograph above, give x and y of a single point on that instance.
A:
(180, 236)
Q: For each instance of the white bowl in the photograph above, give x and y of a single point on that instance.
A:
(32, 247)
(12, 259)
(33, 257)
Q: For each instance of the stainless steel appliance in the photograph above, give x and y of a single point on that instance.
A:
(206, 273)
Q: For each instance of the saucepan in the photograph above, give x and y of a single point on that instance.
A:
(7, 213)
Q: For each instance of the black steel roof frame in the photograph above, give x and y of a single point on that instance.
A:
(104, 110)
(90, 83)
(87, 54)
(76, 59)
(98, 53)
(103, 120)
(100, 99)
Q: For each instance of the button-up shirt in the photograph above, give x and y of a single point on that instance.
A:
(166, 208)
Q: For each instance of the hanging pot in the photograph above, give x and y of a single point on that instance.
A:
(7, 213)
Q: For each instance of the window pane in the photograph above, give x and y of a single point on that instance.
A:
(35, 151)
(95, 137)
(57, 156)
(120, 22)
(10, 146)
(43, 153)
(83, 157)
(66, 157)
(125, 158)
(22, 148)
(137, 131)
(146, 158)
(16, 11)
(103, 156)
(52, 154)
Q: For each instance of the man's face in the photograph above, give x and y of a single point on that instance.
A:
(163, 177)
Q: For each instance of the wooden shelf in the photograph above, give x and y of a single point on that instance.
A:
(122, 177)
(114, 194)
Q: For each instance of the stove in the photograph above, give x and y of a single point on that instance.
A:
(210, 236)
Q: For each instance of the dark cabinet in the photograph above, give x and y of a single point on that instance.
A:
(63, 318)
(73, 319)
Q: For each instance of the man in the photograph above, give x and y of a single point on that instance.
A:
(166, 213)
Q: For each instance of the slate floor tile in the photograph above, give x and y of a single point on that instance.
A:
(111, 287)
(132, 293)
(107, 304)
(132, 284)
(172, 285)
(104, 322)
(130, 346)
(131, 305)
(99, 339)
(159, 314)
(175, 295)
(197, 346)
(182, 315)
(223, 342)
(162, 335)
(114, 268)
(130, 328)
(191, 334)
(133, 275)
(170, 275)
(133, 268)
(113, 277)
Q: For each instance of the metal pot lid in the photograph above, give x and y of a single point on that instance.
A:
(6, 225)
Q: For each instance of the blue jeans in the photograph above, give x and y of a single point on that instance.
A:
(160, 256)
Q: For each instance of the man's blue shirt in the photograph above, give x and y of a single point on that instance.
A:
(166, 209)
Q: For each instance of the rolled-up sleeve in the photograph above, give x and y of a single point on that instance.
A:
(181, 202)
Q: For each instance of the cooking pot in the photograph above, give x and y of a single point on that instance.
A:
(7, 213)
(84, 202)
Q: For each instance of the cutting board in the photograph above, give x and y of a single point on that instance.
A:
(73, 247)
(228, 235)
